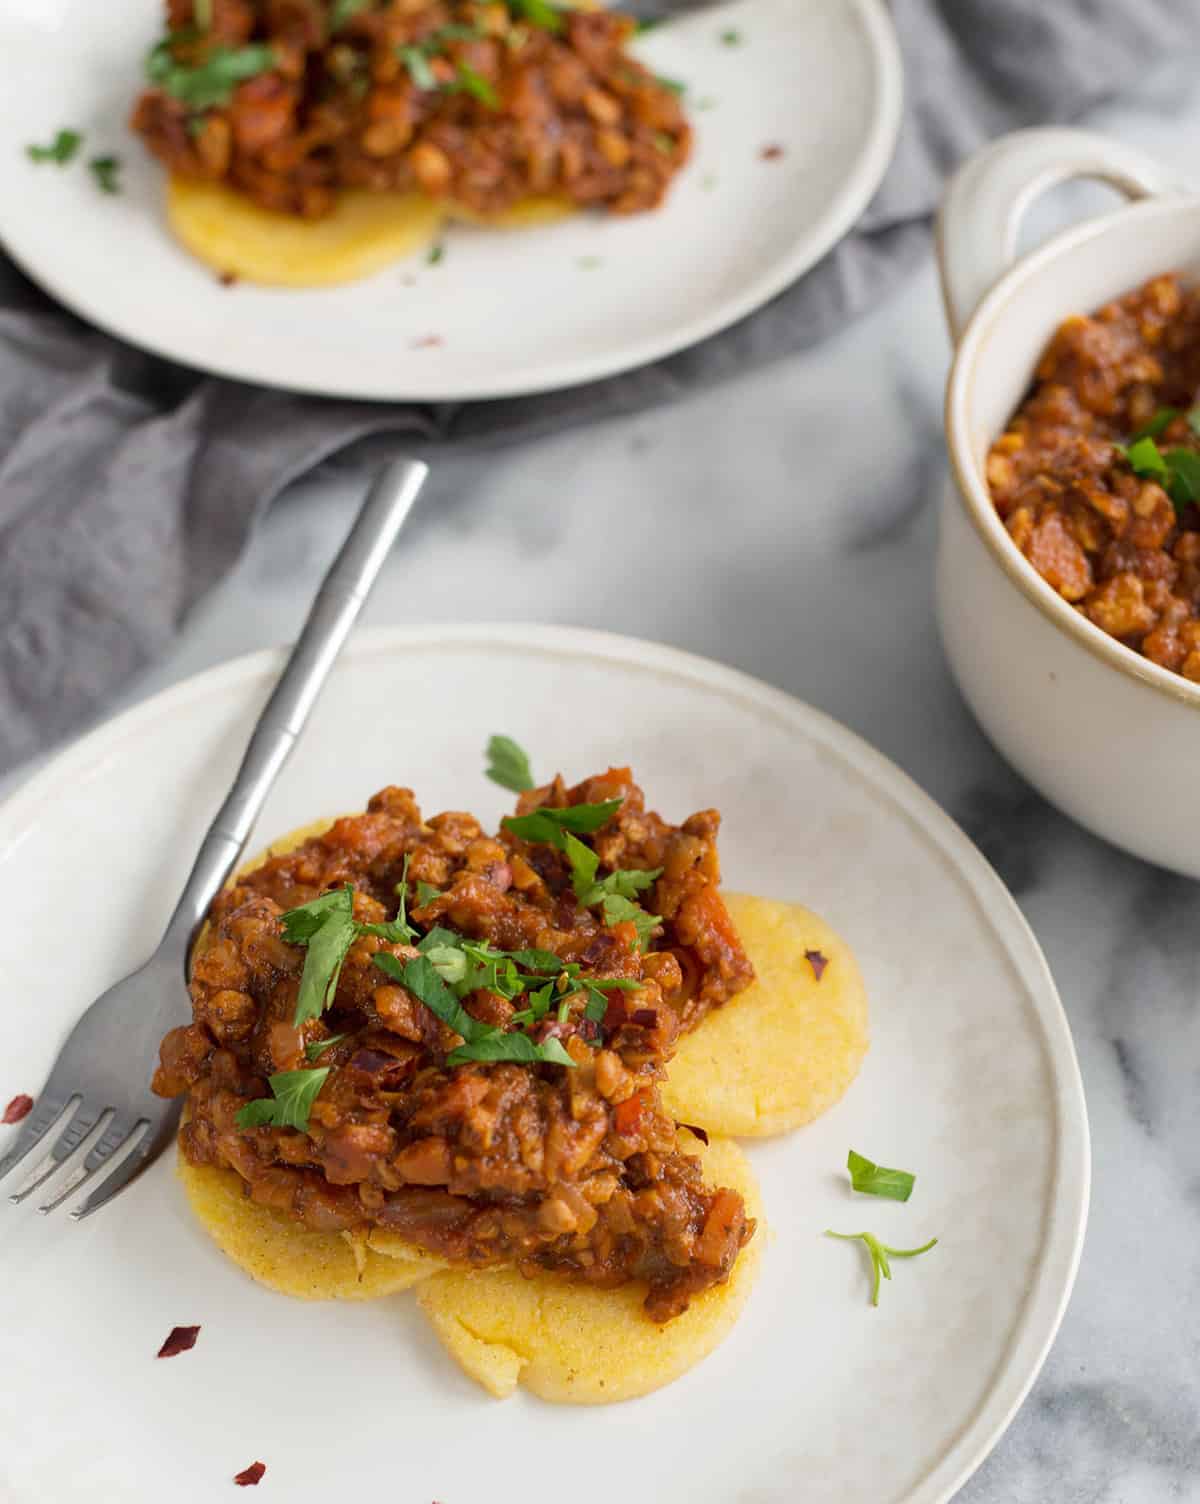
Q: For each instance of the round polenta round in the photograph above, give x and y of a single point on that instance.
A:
(364, 233)
(575, 1344)
(784, 1051)
(280, 1253)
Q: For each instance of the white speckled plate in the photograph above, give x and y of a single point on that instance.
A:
(514, 312)
(971, 1082)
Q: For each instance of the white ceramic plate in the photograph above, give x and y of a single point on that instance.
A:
(971, 1082)
(517, 312)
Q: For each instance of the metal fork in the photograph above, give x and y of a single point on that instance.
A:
(103, 1071)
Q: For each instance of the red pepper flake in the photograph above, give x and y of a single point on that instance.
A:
(20, 1107)
(700, 1133)
(645, 1018)
(251, 1475)
(771, 153)
(428, 342)
(817, 961)
(181, 1340)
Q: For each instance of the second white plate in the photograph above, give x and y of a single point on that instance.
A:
(971, 1082)
(502, 313)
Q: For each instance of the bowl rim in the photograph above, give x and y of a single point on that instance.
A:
(970, 482)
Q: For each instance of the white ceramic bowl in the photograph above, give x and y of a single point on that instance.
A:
(1108, 736)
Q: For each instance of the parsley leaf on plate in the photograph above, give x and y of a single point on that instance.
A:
(873, 1180)
(880, 1254)
(508, 765)
(61, 149)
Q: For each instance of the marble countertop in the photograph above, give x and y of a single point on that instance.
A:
(798, 543)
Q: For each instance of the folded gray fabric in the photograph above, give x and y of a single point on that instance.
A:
(128, 486)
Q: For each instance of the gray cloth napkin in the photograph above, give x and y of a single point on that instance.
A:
(128, 486)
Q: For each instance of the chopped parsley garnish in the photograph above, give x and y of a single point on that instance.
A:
(625, 882)
(618, 910)
(615, 892)
(470, 82)
(420, 976)
(204, 85)
(663, 143)
(549, 826)
(450, 966)
(673, 84)
(417, 63)
(873, 1180)
(328, 928)
(396, 931)
(426, 893)
(202, 15)
(561, 829)
(345, 10)
(288, 1106)
(508, 765)
(416, 58)
(105, 170)
(1177, 471)
(317, 1047)
(538, 13)
(480, 1041)
(496, 1044)
(1162, 419)
(437, 252)
(60, 151)
(880, 1255)
(731, 38)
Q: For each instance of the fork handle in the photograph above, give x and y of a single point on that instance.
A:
(333, 613)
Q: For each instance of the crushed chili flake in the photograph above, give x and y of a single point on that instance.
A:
(817, 961)
(251, 1475)
(428, 342)
(700, 1133)
(181, 1340)
(20, 1107)
(645, 1018)
(771, 153)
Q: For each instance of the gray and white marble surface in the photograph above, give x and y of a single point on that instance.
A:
(785, 523)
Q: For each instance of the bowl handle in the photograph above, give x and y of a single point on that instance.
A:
(989, 195)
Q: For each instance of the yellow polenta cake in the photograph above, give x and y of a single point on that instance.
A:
(280, 1253)
(575, 1344)
(783, 1051)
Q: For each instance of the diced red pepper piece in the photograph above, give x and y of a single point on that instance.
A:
(627, 1115)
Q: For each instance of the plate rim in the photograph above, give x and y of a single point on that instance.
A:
(836, 221)
(1046, 1298)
